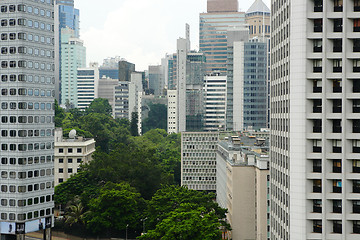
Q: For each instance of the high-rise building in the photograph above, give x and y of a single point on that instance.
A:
(106, 90)
(125, 70)
(258, 19)
(156, 80)
(198, 160)
(66, 16)
(135, 97)
(87, 85)
(315, 183)
(27, 113)
(172, 105)
(73, 56)
(110, 68)
(213, 32)
(222, 5)
(215, 102)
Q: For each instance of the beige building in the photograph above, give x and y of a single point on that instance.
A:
(258, 19)
(70, 153)
(242, 174)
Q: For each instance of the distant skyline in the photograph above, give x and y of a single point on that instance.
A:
(141, 31)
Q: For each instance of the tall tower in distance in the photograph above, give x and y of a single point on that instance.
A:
(27, 117)
(221, 16)
(315, 119)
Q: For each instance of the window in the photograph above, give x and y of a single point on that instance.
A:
(317, 86)
(70, 150)
(317, 226)
(70, 160)
(356, 65)
(337, 227)
(317, 106)
(61, 170)
(70, 170)
(79, 150)
(61, 150)
(317, 186)
(337, 186)
(337, 106)
(317, 126)
(337, 165)
(337, 146)
(336, 126)
(356, 206)
(356, 186)
(317, 66)
(337, 65)
(318, 25)
(317, 207)
(317, 45)
(338, 5)
(318, 5)
(356, 5)
(356, 166)
(357, 25)
(356, 106)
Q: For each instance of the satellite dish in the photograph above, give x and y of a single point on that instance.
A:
(72, 134)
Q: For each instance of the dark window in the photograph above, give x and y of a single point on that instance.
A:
(338, 5)
(317, 207)
(357, 25)
(356, 206)
(317, 87)
(337, 45)
(337, 106)
(317, 226)
(318, 25)
(317, 126)
(337, 86)
(337, 165)
(317, 166)
(356, 46)
(317, 186)
(356, 166)
(317, 45)
(337, 227)
(337, 186)
(336, 126)
(318, 5)
(337, 66)
(338, 25)
(356, 5)
(337, 206)
(317, 106)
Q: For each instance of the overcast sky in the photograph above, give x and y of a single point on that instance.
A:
(141, 31)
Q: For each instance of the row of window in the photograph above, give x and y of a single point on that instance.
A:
(337, 226)
(27, 119)
(337, 25)
(336, 165)
(337, 65)
(24, 22)
(29, 92)
(28, 64)
(336, 105)
(337, 186)
(28, 188)
(22, 203)
(29, 51)
(29, 160)
(336, 146)
(27, 147)
(29, 215)
(70, 150)
(70, 160)
(29, 174)
(28, 78)
(69, 170)
(336, 125)
(27, 133)
(338, 5)
(199, 163)
(24, 106)
(29, 37)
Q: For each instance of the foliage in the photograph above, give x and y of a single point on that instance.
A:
(100, 105)
(117, 205)
(59, 115)
(75, 213)
(157, 118)
(134, 124)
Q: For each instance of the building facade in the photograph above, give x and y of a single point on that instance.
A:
(27, 113)
(136, 93)
(243, 184)
(69, 154)
(73, 56)
(110, 68)
(87, 85)
(213, 34)
(106, 90)
(258, 20)
(198, 160)
(156, 80)
(215, 102)
(314, 120)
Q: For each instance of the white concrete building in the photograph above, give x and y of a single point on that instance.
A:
(135, 97)
(70, 153)
(27, 117)
(315, 79)
(198, 160)
(87, 85)
(172, 126)
(215, 102)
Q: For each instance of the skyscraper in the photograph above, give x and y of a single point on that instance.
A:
(258, 19)
(87, 85)
(221, 16)
(66, 16)
(315, 183)
(27, 117)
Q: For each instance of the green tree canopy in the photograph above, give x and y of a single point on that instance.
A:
(100, 105)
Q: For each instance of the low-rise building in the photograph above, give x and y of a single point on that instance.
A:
(70, 153)
(242, 186)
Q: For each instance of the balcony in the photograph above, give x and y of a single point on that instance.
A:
(318, 109)
(317, 169)
(337, 69)
(337, 228)
(356, 208)
(337, 49)
(336, 169)
(317, 229)
(336, 190)
(317, 129)
(337, 89)
(317, 89)
(317, 69)
(317, 209)
(356, 169)
(356, 189)
(337, 209)
(338, 8)
(316, 149)
(356, 149)
(317, 189)
(356, 229)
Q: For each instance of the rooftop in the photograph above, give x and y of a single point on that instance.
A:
(258, 6)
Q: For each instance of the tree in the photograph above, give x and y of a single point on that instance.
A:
(117, 206)
(134, 124)
(187, 222)
(59, 115)
(170, 198)
(75, 213)
(100, 105)
(157, 118)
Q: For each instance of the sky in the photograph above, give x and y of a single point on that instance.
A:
(140, 31)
